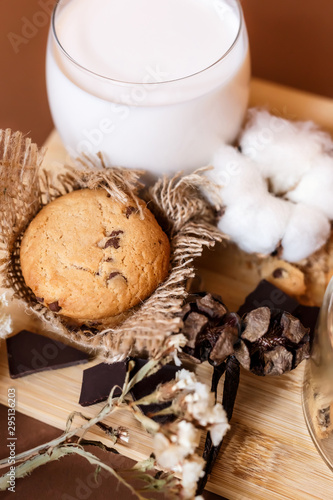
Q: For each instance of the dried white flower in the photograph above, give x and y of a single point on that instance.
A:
(170, 452)
(185, 379)
(219, 425)
(192, 471)
(6, 326)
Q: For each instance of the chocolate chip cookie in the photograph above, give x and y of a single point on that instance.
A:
(87, 256)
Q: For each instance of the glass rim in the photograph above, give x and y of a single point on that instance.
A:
(121, 82)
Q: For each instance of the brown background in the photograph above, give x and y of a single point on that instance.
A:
(291, 43)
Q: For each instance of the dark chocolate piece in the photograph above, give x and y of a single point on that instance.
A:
(268, 295)
(113, 275)
(31, 353)
(149, 384)
(113, 243)
(98, 381)
(117, 233)
(129, 211)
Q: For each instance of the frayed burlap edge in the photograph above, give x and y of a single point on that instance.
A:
(176, 203)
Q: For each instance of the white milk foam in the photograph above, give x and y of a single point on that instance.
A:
(162, 119)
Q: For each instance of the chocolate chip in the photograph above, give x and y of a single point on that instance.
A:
(109, 259)
(116, 233)
(54, 307)
(278, 273)
(112, 242)
(40, 299)
(116, 273)
(129, 211)
(113, 275)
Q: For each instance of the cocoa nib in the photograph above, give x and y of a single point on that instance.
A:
(129, 211)
(54, 307)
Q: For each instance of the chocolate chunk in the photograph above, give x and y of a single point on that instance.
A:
(29, 353)
(129, 211)
(54, 307)
(308, 316)
(149, 384)
(113, 275)
(268, 295)
(98, 381)
(117, 233)
(40, 299)
(113, 242)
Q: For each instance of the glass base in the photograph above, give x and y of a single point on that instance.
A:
(323, 444)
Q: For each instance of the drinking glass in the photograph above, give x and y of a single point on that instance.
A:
(159, 126)
(318, 382)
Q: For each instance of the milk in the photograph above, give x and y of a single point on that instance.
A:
(152, 84)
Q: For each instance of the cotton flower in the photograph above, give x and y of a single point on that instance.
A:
(283, 149)
(316, 186)
(235, 174)
(256, 222)
(308, 229)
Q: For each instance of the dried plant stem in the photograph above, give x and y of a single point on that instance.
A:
(230, 388)
(60, 452)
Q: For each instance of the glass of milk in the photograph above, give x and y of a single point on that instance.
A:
(152, 84)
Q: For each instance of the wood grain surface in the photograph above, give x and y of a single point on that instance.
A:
(268, 454)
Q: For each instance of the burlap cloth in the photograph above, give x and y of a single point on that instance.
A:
(176, 203)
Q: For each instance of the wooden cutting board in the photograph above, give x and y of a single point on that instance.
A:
(268, 454)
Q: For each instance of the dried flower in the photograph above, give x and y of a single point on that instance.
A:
(193, 470)
(6, 327)
(174, 444)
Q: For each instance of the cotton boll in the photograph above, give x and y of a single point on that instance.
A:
(236, 174)
(256, 223)
(308, 230)
(285, 150)
(316, 187)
